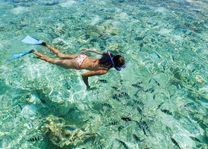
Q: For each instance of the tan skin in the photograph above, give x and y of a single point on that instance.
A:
(68, 62)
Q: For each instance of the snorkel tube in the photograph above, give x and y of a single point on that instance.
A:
(112, 62)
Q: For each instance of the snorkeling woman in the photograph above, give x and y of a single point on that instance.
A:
(82, 61)
(77, 61)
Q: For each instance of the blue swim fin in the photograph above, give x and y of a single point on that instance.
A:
(31, 40)
(16, 56)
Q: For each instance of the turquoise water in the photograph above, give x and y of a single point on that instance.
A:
(160, 101)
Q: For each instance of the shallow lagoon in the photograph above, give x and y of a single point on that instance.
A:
(159, 101)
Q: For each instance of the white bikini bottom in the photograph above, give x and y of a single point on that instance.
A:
(79, 59)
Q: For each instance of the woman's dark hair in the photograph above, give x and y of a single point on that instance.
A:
(118, 60)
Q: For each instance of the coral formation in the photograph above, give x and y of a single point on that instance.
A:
(63, 134)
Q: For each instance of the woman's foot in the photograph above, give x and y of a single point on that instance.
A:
(37, 53)
(32, 51)
(44, 44)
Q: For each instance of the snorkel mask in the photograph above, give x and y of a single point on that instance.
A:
(112, 62)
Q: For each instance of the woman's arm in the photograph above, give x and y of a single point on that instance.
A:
(92, 73)
(92, 50)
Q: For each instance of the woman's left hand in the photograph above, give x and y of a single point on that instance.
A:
(84, 50)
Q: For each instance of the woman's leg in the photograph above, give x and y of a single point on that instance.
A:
(59, 54)
(69, 64)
